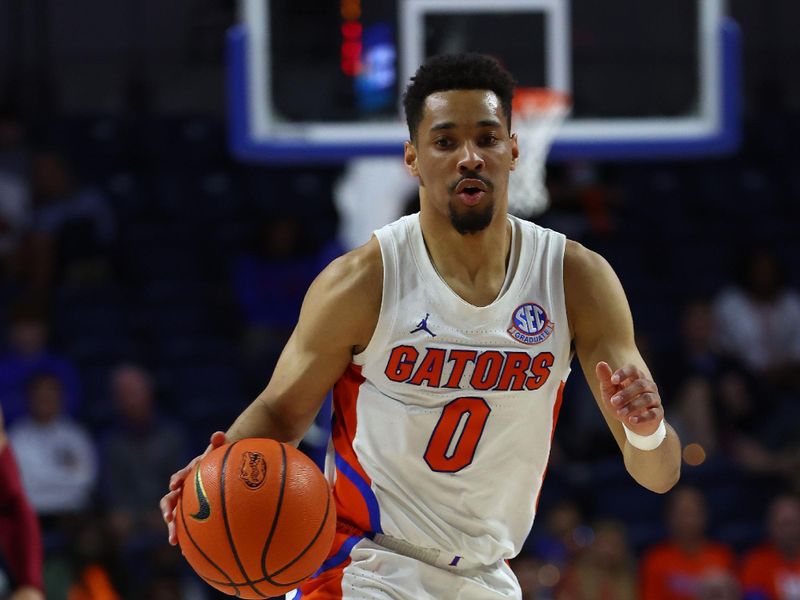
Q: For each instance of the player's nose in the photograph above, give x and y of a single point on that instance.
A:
(471, 159)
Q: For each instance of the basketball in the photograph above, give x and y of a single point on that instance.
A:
(256, 518)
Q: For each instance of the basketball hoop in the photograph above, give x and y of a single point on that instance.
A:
(537, 114)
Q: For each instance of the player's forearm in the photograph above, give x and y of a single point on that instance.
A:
(658, 470)
(261, 420)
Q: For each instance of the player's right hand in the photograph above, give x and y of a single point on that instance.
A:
(169, 503)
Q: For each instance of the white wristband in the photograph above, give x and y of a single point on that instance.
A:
(647, 442)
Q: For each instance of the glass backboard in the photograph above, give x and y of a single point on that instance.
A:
(322, 81)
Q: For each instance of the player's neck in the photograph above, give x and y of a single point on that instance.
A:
(473, 265)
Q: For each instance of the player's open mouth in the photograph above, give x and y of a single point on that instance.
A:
(471, 191)
(471, 196)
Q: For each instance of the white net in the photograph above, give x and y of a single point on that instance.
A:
(537, 115)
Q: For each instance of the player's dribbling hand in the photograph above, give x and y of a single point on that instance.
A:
(631, 397)
(169, 502)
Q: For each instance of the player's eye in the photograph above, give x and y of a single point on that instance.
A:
(488, 140)
(442, 142)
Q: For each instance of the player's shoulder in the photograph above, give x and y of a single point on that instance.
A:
(356, 276)
(592, 291)
(350, 288)
(580, 262)
(585, 272)
(359, 270)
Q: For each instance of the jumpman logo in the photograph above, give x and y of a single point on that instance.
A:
(423, 326)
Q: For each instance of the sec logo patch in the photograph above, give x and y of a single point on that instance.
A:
(529, 324)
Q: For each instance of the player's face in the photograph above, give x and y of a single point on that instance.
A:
(462, 157)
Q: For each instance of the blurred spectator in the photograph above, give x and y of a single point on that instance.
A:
(719, 585)
(757, 438)
(690, 374)
(772, 572)
(696, 354)
(583, 198)
(56, 455)
(719, 404)
(15, 220)
(164, 583)
(724, 415)
(604, 571)
(695, 418)
(92, 579)
(27, 354)
(73, 227)
(673, 569)
(526, 567)
(566, 535)
(757, 322)
(20, 538)
(140, 453)
(15, 204)
(13, 142)
(165, 588)
(271, 281)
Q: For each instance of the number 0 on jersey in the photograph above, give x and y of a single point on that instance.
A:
(455, 438)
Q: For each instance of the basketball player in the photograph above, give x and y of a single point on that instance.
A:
(447, 339)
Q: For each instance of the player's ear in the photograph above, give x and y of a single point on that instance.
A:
(514, 151)
(410, 158)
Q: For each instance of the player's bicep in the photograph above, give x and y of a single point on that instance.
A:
(307, 368)
(602, 325)
(338, 314)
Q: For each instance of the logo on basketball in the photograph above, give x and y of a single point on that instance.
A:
(254, 470)
(202, 498)
(529, 324)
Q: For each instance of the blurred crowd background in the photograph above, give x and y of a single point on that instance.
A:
(148, 283)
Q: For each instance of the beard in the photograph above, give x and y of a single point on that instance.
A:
(471, 221)
(476, 219)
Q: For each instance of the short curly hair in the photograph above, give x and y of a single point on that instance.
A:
(467, 71)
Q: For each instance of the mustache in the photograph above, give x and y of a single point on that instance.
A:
(471, 175)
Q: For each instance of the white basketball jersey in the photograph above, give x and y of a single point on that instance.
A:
(442, 426)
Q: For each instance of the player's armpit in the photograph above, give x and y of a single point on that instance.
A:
(337, 319)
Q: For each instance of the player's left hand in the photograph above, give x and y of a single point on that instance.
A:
(631, 397)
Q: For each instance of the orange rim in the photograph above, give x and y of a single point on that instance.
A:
(531, 100)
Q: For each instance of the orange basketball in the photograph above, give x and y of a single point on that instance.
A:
(256, 518)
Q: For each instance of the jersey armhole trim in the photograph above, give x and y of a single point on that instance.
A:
(385, 323)
(561, 240)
